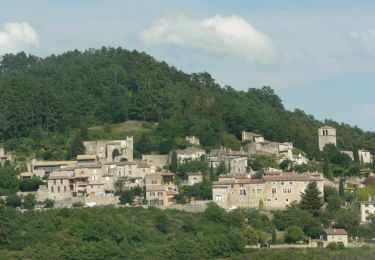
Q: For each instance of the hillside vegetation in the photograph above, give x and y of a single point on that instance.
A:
(43, 99)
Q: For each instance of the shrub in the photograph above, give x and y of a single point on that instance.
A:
(294, 234)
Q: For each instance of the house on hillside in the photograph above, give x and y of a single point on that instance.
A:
(334, 236)
(272, 192)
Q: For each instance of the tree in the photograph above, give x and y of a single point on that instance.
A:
(13, 200)
(221, 169)
(341, 187)
(285, 165)
(127, 197)
(77, 147)
(173, 165)
(162, 223)
(144, 145)
(273, 240)
(311, 199)
(29, 201)
(115, 153)
(214, 212)
(31, 184)
(294, 234)
(48, 203)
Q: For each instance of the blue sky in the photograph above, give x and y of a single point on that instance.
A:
(319, 56)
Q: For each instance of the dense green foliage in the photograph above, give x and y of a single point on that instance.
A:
(42, 99)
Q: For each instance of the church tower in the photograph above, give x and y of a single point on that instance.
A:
(327, 135)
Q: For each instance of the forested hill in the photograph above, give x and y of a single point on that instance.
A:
(61, 92)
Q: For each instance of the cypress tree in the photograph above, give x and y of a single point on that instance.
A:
(341, 187)
(311, 199)
(173, 165)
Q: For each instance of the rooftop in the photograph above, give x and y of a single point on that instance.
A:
(332, 232)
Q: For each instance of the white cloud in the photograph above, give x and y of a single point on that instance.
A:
(16, 37)
(223, 35)
(366, 38)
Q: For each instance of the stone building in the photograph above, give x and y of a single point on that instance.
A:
(156, 161)
(192, 140)
(104, 149)
(272, 192)
(327, 135)
(366, 208)
(193, 178)
(236, 162)
(190, 153)
(364, 156)
(160, 189)
(334, 236)
(253, 137)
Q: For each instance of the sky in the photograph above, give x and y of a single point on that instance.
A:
(319, 55)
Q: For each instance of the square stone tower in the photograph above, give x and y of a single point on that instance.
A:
(327, 135)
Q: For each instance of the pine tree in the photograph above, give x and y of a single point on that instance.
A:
(311, 199)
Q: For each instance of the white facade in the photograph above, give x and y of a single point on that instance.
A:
(364, 156)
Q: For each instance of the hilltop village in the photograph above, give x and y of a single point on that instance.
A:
(263, 175)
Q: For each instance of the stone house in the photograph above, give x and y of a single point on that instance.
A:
(272, 192)
(86, 159)
(366, 208)
(193, 178)
(236, 162)
(192, 140)
(334, 236)
(46, 167)
(190, 153)
(5, 156)
(364, 156)
(155, 161)
(253, 137)
(104, 149)
(160, 189)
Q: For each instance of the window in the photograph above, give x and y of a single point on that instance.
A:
(273, 190)
(290, 182)
(256, 190)
(61, 181)
(152, 193)
(275, 198)
(224, 190)
(160, 193)
(286, 199)
(130, 172)
(219, 198)
(64, 188)
(366, 205)
(242, 192)
(58, 189)
(92, 186)
(54, 182)
(52, 189)
(268, 199)
(241, 185)
(282, 183)
(287, 190)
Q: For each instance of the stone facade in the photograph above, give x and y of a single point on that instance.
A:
(272, 192)
(335, 236)
(366, 208)
(104, 149)
(327, 135)
(160, 189)
(190, 153)
(156, 161)
(192, 140)
(193, 178)
(236, 162)
(364, 156)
